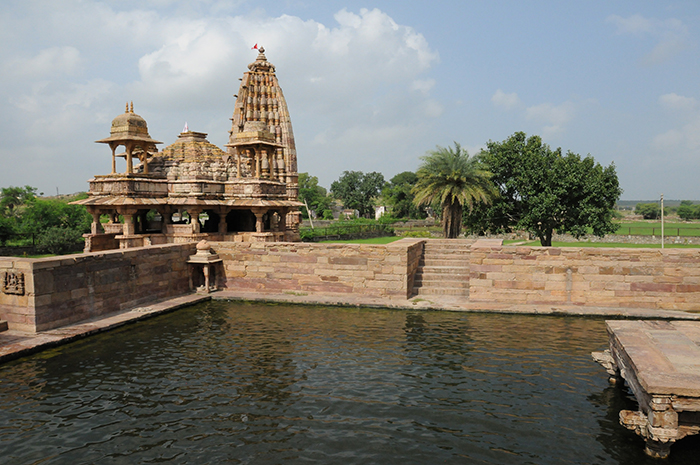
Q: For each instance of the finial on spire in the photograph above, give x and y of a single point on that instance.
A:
(132, 107)
(127, 108)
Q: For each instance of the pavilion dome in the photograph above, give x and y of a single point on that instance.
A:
(129, 126)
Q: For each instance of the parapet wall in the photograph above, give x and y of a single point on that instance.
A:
(365, 269)
(51, 292)
(644, 278)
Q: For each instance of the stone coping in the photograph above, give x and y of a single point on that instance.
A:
(16, 344)
(665, 354)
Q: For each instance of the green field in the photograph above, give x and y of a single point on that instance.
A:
(605, 244)
(645, 228)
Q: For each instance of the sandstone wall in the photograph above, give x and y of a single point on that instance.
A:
(644, 278)
(63, 290)
(372, 270)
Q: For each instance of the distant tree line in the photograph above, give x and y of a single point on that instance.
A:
(52, 225)
(517, 184)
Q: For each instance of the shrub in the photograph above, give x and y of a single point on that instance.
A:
(59, 240)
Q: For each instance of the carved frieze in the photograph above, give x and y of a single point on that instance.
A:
(12, 282)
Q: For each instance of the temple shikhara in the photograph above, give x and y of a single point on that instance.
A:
(192, 189)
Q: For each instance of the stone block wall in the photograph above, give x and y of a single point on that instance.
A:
(61, 290)
(372, 270)
(605, 277)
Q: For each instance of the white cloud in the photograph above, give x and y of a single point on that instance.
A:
(555, 117)
(49, 61)
(683, 141)
(671, 34)
(675, 102)
(364, 74)
(506, 101)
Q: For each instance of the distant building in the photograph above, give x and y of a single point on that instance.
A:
(192, 189)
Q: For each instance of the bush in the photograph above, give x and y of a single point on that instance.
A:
(649, 211)
(59, 240)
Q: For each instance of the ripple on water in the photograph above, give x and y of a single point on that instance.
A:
(247, 383)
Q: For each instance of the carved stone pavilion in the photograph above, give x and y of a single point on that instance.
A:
(193, 190)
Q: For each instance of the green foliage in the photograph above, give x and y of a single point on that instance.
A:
(649, 211)
(59, 240)
(359, 227)
(42, 214)
(357, 190)
(11, 198)
(542, 190)
(687, 211)
(452, 179)
(315, 195)
(53, 222)
(7, 229)
(398, 194)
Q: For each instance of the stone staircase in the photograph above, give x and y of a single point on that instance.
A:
(443, 268)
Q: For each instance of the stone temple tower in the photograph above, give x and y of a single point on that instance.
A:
(260, 105)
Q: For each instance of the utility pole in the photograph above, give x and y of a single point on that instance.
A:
(662, 221)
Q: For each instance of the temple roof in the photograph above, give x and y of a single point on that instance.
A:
(129, 127)
(191, 146)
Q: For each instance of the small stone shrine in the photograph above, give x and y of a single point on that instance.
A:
(192, 189)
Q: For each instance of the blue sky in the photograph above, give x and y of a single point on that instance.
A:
(371, 86)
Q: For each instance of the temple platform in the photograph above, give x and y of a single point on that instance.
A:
(660, 362)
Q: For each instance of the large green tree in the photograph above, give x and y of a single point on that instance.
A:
(541, 190)
(452, 179)
(11, 198)
(358, 190)
(398, 194)
(314, 195)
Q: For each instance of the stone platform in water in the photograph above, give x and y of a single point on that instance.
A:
(660, 361)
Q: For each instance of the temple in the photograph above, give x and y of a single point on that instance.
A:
(192, 189)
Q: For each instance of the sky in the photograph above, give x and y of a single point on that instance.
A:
(370, 85)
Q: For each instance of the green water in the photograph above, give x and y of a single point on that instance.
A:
(246, 383)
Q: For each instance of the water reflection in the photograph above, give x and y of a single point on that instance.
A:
(247, 383)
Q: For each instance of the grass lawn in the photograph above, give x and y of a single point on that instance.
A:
(645, 228)
(607, 244)
(372, 240)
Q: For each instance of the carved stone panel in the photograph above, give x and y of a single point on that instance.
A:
(12, 282)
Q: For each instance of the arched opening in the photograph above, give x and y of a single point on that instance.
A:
(240, 221)
(211, 221)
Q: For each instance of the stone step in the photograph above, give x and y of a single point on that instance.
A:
(443, 270)
(463, 286)
(446, 250)
(3, 326)
(433, 291)
(443, 262)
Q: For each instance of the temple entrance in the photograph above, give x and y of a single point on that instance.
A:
(240, 221)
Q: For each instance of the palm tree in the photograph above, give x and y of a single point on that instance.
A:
(450, 177)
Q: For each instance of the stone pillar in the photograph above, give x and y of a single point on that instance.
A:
(282, 225)
(265, 164)
(129, 226)
(129, 159)
(238, 163)
(96, 227)
(194, 221)
(222, 222)
(259, 224)
(114, 158)
(257, 164)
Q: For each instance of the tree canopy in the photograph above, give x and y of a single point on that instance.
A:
(649, 211)
(541, 190)
(358, 190)
(314, 195)
(398, 194)
(452, 179)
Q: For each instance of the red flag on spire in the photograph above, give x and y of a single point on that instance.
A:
(254, 47)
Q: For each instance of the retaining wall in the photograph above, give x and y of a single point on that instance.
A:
(366, 269)
(57, 291)
(643, 278)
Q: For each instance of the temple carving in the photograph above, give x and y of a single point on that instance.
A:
(192, 189)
